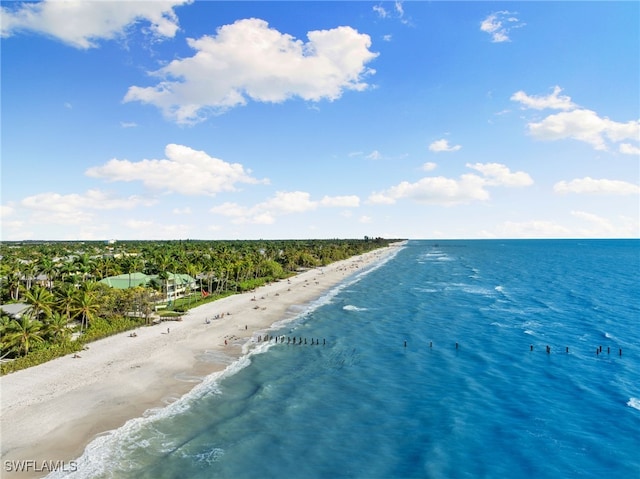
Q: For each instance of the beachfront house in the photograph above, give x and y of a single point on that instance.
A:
(173, 285)
(124, 281)
(179, 285)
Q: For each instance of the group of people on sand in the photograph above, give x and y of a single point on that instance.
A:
(217, 316)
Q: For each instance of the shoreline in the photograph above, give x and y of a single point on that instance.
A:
(50, 412)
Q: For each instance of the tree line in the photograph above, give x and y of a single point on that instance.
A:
(59, 281)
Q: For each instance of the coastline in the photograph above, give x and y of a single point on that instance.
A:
(50, 412)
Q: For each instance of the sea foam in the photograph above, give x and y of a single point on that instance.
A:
(634, 403)
(351, 307)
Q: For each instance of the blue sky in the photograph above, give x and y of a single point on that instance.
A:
(246, 120)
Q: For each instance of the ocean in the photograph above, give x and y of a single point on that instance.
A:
(450, 359)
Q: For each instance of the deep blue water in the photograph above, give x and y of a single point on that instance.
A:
(366, 406)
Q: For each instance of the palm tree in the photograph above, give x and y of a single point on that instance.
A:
(128, 265)
(179, 261)
(57, 328)
(23, 333)
(85, 306)
(143, 299)
(30, 273)
(287, 258)
(5, 322)
(41, 300)
(208, 266)
(47, 267)
(164, 277)
(161, 264)
(11, 272)
(92, 287)
(84, 264)
(105, 267)
(65, 296)
(193, 270)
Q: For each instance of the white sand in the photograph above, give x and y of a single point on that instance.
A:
(51, 411)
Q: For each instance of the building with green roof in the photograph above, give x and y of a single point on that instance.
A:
(178, 285)
(124, 281)
(174, 285)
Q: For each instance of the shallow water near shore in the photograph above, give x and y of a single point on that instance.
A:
(432, 364)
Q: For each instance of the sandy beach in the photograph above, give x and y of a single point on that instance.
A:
(52, 411)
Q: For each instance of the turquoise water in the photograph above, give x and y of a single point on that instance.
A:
(391, 395)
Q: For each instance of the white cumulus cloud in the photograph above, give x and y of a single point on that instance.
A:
(181, 211)
(76, 208)
(435, 190)
(380, 11)
(599, 225)
(285, 202)
(6, 210)
(629, 149)
(443, 145)
(82, 23)
(282, 203)
(351, 201)
(499, 25)
(532, 229)
(592, 186)
(578, 123)
(586, 126)
(185, 171)
(449, 191)
(553, 101)
(248, 60)
(396, 12)
(499, 175)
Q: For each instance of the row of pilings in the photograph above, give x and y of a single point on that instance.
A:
(292, 340)
(299, 340)
(598, 350)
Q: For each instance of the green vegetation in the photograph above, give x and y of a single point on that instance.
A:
(68, 306)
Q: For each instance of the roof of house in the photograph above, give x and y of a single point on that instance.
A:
(178, 278)
(124, 281)
(15, 310)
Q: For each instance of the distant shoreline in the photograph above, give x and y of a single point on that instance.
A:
(52, 411)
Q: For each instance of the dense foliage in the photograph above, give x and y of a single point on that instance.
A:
(69, 307)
